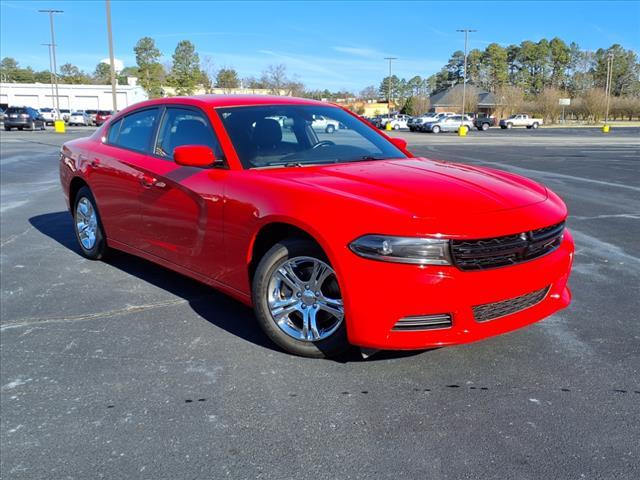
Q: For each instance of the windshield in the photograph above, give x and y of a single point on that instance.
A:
(298, 135)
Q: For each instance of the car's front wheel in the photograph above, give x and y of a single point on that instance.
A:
(297, 300)
(330, 129)
(485, 127)
(87, 225)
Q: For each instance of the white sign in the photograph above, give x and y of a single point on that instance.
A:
(564, 101)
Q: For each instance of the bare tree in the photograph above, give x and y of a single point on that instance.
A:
(509, 100)
(595, 102)
(208, 72)
(274, 77)
(547, 104)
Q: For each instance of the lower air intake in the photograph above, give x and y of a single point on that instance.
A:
(423, 322)
(491, 311)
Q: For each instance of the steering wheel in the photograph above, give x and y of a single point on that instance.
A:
(323, 143)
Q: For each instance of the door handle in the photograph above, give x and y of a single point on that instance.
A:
(148, 182)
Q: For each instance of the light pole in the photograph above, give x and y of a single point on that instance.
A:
(389, 84)
(53, 104)
(608, 84)
(111, 59)
(53, 57)
(464, 79)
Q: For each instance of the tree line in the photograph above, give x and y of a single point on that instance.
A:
(532, 74)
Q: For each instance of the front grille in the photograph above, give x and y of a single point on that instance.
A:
(423, 322)
(491, 311)
(507, 250)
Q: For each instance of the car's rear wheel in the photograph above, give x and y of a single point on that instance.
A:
(436, 129)
(396, 127)
(8, 129)
(87, 225)
(485, 126)
(535, 125)
(297, 300)
(330, 129)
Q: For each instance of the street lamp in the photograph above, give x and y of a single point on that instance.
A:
(51, 72)
(111, 59)
(53, 57)
(389, 84)
(608, 84)
(464, 80)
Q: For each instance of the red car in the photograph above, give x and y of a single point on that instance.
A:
(334, 239)
(102, 116)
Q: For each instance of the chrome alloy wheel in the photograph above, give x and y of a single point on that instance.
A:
(86, 223)
(304, 299)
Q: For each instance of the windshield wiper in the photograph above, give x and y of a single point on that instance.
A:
(364, 158)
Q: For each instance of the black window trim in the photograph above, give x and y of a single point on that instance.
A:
(119, 120)
(182, 106)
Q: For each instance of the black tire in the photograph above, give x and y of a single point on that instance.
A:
(435, 129)
(509, 125)
(485, 127)
(535, 125)
(330, 129)
(20, 128)
(8, 129)
(99, 249)
(329, 347)
(396, 126)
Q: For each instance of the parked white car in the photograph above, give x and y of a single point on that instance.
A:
(432, 117)
(521, 120)
(50, 115)
(449, 124)
(397, 121)
(324, 124)
(79, 118)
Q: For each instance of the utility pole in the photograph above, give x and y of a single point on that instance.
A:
(53, 56)
(53, 100)
(608, 84)
(464, 79)
(111, 59)
(389, 84)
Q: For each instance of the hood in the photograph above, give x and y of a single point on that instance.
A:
(422, 188)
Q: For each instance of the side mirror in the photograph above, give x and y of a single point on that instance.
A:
(401, 143)
(194, 156)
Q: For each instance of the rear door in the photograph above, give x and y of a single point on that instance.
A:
(117, 169)
(182, 206)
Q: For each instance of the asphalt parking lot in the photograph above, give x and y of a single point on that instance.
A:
(125, 370)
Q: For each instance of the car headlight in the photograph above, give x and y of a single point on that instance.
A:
(419, 251)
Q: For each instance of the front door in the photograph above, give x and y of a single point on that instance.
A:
(181, 207)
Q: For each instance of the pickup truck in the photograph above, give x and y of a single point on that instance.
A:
(483, 122)
(520, 120)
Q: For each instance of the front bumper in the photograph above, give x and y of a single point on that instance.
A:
(379, 294)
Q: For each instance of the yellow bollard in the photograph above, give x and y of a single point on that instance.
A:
(387, 126)
(59, 126)
(605, 128)
(462, 131)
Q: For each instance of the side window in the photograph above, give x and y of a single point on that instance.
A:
(182, 126)
(135, 130)
(114, 130)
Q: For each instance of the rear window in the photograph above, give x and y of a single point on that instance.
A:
(46, 110)
(16, 110)
(134, 131)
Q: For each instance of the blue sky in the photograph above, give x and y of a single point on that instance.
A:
(328, 44)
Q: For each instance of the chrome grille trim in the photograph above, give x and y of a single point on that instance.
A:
(491, 311)
(423, 322)
(506, 250)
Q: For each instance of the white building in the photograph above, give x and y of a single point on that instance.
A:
(73, 97)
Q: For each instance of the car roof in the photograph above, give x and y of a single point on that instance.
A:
(217, 101)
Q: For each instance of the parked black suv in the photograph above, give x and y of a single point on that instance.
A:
(23, 117)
